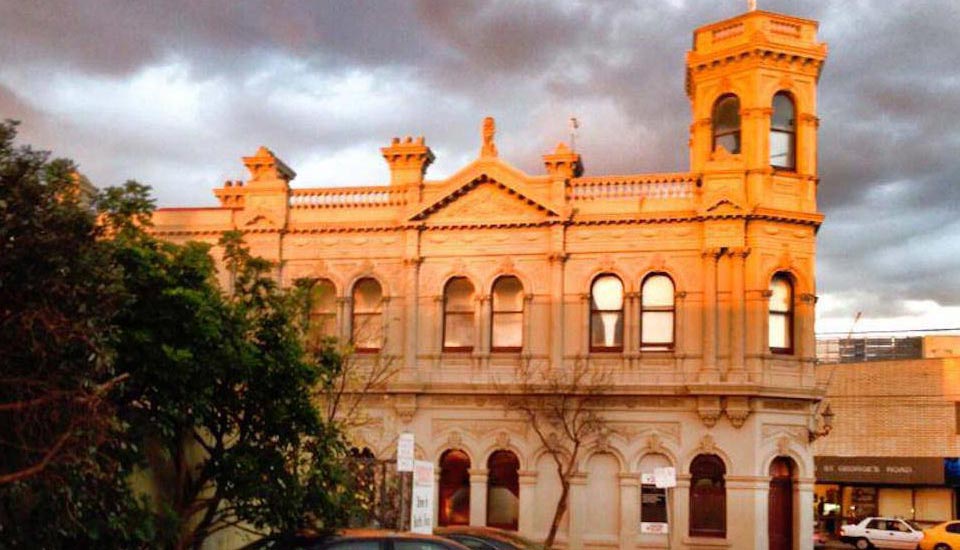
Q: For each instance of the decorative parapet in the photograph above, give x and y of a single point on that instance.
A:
(343, 197)
(648, 186)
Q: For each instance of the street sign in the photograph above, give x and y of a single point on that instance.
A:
(421, 511)
(665, 477)
(405, 452)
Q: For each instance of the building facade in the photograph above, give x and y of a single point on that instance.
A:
(894, 449)
(694, 290)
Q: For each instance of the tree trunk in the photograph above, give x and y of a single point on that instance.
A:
(558, 514)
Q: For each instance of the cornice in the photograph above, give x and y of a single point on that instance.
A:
(767, 214)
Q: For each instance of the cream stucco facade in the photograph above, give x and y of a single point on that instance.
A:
(722, 232)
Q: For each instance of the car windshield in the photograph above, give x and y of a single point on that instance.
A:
(915, 525)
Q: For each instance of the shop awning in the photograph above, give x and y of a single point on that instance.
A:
(880, 470)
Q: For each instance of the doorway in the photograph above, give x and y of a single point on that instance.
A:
(780, 510)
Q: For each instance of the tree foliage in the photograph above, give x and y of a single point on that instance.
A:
(124, 360)
(62, 448)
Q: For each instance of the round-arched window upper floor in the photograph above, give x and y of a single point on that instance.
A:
(506, 319)
(783, 132)
(780, 319)
(323, 313)
(458, 315)
(606, 313)
(726, 123)
(657, 313)
(367, 319)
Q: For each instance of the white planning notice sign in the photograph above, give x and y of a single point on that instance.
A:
(405, 452)
(664, 478)
(421, 510)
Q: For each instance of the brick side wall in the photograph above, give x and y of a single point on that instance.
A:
(892, 408)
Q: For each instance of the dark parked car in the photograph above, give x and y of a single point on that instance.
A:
(367, 539)
(487, 538)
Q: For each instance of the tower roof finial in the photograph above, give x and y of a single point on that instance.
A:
(751, 5)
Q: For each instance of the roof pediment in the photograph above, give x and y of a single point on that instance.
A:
(486, 191)
(485, 202)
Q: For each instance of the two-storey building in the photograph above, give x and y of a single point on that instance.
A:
(695, 290)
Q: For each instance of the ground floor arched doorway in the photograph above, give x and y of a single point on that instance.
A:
(780, 504)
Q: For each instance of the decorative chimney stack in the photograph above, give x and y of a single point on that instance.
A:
(408, 160)
(562, 165)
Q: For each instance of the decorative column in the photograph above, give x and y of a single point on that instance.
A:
(528, 502)
(629, 509)
(807, 124)
(385, 339)
(585, 324)
(680, 337)
(631, 324)
(412, 317)
(708, 370)
(806, 343)
(803, 520)
(527, 342)
(437, 333)
(747, 512)
(678, 511)
(737, 370)
(483, 325)
(345, 311)
(577, 508)
(557, 309)
(478, 497)
(481, 348)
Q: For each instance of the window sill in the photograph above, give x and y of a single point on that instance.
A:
(606, 351)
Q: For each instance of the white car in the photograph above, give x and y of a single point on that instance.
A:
(882, 533)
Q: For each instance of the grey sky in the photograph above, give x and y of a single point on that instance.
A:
(173, 93)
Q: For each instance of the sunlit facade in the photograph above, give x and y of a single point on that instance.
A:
(695, 290)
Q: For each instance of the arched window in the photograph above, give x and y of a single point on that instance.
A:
(606, 314)
(783, 133)
(503, 490)
(454, 490)
(367, 315)
(708, 497)
(506, 321)
(726, 123)
(458, 318)
(781, 314)
(657, 313)
(323, 313)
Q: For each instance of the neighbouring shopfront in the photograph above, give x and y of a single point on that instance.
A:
(851, 488)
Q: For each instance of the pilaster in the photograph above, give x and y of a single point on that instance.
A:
(411, 302)
(577, 509)
(709, 371)
(478, 497)
(528, 501)
(629, 509)
(737, 370)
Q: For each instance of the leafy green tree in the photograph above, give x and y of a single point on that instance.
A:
(121, 360)
(63, 455)
(220, 385)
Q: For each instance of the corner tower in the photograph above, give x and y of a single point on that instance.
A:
(752, 83)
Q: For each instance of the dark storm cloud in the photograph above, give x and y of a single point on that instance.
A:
(173, 92)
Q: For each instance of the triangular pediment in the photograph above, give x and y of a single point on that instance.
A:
(484, 201)
(724, 205)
